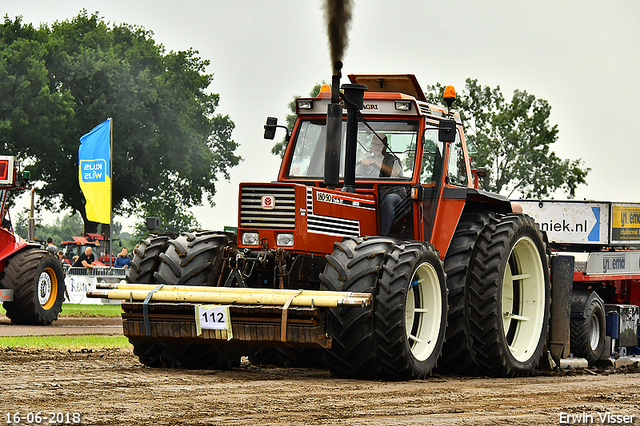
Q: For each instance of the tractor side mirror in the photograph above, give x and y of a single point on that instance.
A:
(270, 128)
(447, 131)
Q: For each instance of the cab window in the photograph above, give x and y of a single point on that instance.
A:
(456, 170)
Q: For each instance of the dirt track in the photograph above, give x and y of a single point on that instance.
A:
(67, 326)
(110, 387)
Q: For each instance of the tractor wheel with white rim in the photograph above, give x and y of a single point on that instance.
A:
(509, 297)
(37, 280)
(400, 335)
(410, 311)
(457, 356)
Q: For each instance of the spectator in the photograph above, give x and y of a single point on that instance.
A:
(6, 219)
(122, 261)
(61, 256)
(53, 249)
(86, 259)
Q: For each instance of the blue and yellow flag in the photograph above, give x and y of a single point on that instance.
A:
(95, 172)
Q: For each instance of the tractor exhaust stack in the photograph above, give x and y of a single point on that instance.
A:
(334, 132)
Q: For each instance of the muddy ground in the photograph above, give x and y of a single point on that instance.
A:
(110, 387)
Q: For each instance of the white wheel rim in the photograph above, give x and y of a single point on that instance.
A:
(44, 288)
(423, 311)
(523, 299)
(594, 332)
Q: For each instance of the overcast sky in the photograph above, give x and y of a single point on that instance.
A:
(581, 56)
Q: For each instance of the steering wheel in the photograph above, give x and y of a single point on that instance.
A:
(369, 170)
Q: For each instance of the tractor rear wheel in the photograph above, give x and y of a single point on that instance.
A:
(509, 297)
(37, 281)
(588, 330)
(400, 335)
(457, 357)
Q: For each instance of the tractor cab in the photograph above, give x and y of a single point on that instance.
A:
(399, 156)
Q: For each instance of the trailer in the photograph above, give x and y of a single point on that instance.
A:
(601, 239)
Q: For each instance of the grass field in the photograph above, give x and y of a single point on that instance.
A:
(72, 342)
(64, 342)
(90, 311)
(87, 311)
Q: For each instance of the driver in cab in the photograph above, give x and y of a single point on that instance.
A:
(381, 163)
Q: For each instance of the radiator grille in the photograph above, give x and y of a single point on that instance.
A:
(252, 215)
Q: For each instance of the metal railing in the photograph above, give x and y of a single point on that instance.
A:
(98, 271)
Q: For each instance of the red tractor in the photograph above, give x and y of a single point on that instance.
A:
(31, 283)
(377, 200)
(73, 249)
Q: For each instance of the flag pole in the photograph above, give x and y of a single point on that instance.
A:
(111, 187)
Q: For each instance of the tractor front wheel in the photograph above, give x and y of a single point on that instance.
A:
(410, 311)
(400, 335)
(193, 259)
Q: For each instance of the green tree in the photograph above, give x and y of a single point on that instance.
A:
(280, 147)
(172, 219)
(513, 139)
(58, 82)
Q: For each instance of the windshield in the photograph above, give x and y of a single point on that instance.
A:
(374, 160)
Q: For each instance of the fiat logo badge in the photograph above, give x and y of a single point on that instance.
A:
(268, 202)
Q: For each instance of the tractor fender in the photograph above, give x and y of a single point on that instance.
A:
(579, 301)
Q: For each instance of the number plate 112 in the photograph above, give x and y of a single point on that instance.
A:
(213, 317)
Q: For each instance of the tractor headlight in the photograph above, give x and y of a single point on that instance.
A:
(284, 240)
(403, 105)
(305, 104)
(250, 238)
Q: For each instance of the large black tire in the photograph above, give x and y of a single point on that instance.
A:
(192, 258)
(410, 311)
(509, 297)
(457, 356)
(146, 259)
(37, 280)
(354, 265)
(379, 341)
(588, 330)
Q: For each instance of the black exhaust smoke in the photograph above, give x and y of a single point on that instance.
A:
(338, 16)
